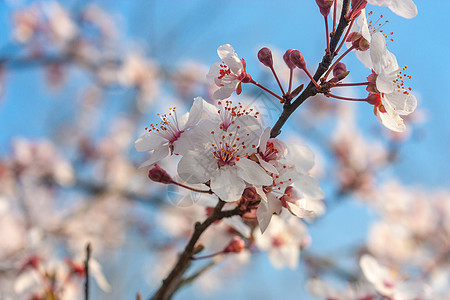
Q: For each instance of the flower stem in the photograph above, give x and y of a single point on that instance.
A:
(207, 256)
(334, 16)
(351, 84)
(336, 62)
(278, 81)
(344, 98)
(291, 74)
(345, 36)
(311, 90)
(327, 33)
(267, 90)
(191, 188)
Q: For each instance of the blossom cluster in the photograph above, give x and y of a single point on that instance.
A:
(227, 150)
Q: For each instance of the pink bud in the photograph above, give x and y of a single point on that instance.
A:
(159, 175)
(265, 57)
(236, 245)
(339, 69)
(324, 6)
(287, 60)
(296, 58)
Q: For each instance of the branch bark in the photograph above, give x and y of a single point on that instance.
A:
(173, 280)
(311, 90)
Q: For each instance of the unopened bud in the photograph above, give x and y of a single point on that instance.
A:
(199, 248)
(159, 175)
(340, 72)
(236, 245)
(296, 58)
(358, 41)
(339, 68)
(265, 57)
(324, 6)
(287, 59)
(250, 194)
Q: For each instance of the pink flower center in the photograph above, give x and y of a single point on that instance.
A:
(228, 113)
(270, 153)
(277, 241)
(168, 128)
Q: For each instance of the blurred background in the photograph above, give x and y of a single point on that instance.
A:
(79, 82)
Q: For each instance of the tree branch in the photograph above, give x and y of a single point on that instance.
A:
(174, 279)
(311, 90)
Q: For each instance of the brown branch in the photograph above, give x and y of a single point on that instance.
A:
(86, 271)
(174, 279)
(311, 90)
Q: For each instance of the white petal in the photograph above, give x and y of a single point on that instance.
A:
(230, 58)
(194, 168)
(301, 212)
(227, 185)
(385, 82)
(403, 104)
(156, 156)
(373, 271)
(390, 119)
(383, 60)
(301, 157)
(213, 74)
(309, 186)
(225, 91)
(267, 166)
(195, 113)
(252, 173)
(263, 140)
(225, 50)
(96, 271)
(149, 142)
(404, 8)
(264, 215)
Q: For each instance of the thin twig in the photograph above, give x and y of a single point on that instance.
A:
(172, 282)
(86, 271)
(311, 89)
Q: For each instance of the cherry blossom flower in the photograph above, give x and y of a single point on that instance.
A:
(273, 156)
(391, 284)
(166, 137)
(219, 153)
(283, 240)
(403, 8)
(390, 98)
(228, 74)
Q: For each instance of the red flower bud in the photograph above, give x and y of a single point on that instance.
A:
(339, 69)
(236, 245)
(324, 6)
(287, 59)
(159, 175)
(265, 57)
(296, 58)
